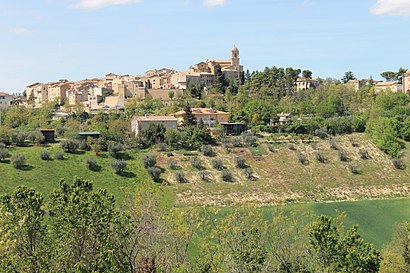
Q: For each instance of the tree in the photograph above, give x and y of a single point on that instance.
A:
(171, 94)
(153, 134)
(220, 83)
(307, 74)
(389, 76)
(86, 227)
(27, 228)
(189, 118)
(348, 76)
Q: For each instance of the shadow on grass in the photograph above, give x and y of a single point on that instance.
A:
(96, 168)
(127, 174)
(26, 168)
(5, 161)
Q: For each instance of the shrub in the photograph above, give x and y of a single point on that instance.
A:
(302, 158)
(236, 142)
(343, 156)
(398, 164)
(320, 157)
(180, 177)
(172, 164)
(217, 164)
(118, 166)
(196, 163)
(155, 173)
(204, 175)
(249, 139)
(272, 149)
(70, 145)
(207, 150)
(18, 160)
(116, 149)
(240, 162)
(60, 155)
(321, 133)
(4, 153)
(248, 172)
(45, 155)
(83, 145)
(364, 154)
(353, 169)
(91, 163)
(226, 175)
(354, 142)
(292, 147)
(149, 161)
(332, 144)
(162, 147)
(18, 137)
(36, 137)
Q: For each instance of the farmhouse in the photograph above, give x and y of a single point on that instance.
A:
(209, 116)
(141, 122)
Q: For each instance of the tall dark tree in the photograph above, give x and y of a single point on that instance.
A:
(189, 118)
(348, 76)
(307, 74)
(220, 83)
(389, 76)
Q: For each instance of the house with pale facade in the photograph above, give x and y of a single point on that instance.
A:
(140, 123)
(304, 84)
(37, 93)
(406, 83)
(388, 86)
(5, 100)
(209, 116)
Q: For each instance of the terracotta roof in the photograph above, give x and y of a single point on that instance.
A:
(155, 118)
(386, 83)
(203, 111)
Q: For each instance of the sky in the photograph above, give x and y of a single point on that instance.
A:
(48, 40)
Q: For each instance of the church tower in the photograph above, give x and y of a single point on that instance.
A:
(235, 58)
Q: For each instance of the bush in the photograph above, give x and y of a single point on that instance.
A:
(354, 142)
(321, 133)
(83, 145)
(116, 149)
(353, 169)
(60, 155)
(320, 157)
(343, 156)
(248, 172)
(332, 144)
(302, 158)
(207, 150)
(45, 155)
(36, 137)
(196, 163)
(172, 164)
(204, 175)
(240, 162)
(272, 149)
(91, 164)
(398, 164)
(118, 166)
(18, 137)
(292, 147)
(226, 175)
(217, 164)
(162, 147)
(149, 161)
(180, 177)
(249, 140)
(4, 153)
(18, 161)
(70, 145)
(155, 173)
(364, 154)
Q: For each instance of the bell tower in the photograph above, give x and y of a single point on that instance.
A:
(235, 57)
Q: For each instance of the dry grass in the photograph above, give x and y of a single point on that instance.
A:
(281, 178)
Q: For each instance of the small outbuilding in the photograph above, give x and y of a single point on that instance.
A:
(233, 128)
(85, 135)
(49, 135)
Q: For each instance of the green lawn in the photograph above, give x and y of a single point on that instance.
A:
(45, 175)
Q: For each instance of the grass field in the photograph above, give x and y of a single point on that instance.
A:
(45, 175)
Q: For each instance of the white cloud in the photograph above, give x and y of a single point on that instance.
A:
(18, 30)
(95, 4)
(391, 7)
(214, 3)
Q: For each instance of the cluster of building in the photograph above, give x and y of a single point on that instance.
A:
(379, 86)
(111, 91)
